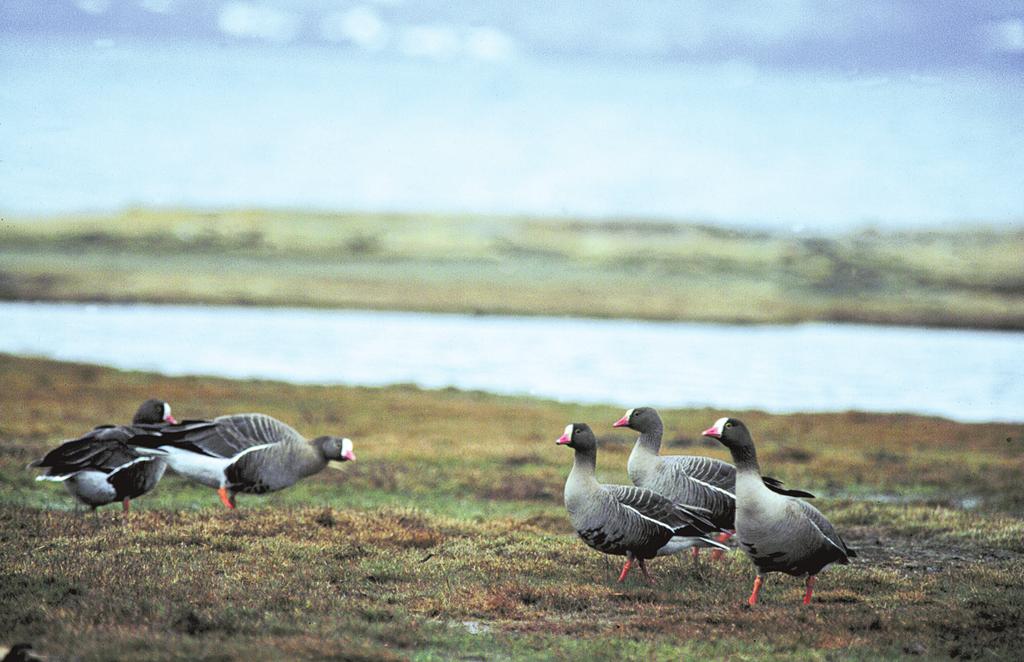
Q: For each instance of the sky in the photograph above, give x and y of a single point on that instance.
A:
(787, 113)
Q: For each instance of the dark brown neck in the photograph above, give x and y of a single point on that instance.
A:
(745, 458)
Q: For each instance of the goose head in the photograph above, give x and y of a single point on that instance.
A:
(731, 432)
(641, 419)
(153, 411)
(578, 436)
(335, 448)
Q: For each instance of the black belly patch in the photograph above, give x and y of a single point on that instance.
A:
(599, 540)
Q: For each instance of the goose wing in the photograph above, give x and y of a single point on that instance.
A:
(672, 481)
(828, 532)
(227, 436)
(101, 449)
(707, 470)
(776, 485)
(108, 447)
(722, 475)
(683, 520)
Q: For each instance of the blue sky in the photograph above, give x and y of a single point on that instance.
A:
(785, 113)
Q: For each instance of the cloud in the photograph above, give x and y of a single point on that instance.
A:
(248, 20)
(159, 6)
(1005, 36)
(445, 42)
(361, 26)
(93, 6)
(436, 42)
(490, 44)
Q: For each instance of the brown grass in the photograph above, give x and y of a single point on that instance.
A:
(434, 528)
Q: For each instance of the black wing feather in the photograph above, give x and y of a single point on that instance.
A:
(776, 485)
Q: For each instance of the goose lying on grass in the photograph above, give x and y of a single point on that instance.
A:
(100, 467)
(248, 453)
(689, 480)
(624, 520)
(779, 533)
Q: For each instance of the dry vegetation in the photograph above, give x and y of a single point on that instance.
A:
(970, 277)
(447, 539)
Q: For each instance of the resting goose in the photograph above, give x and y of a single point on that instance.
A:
(248, 453)
(100, 467)
(624, 520)
(686, 479)
(779, 533)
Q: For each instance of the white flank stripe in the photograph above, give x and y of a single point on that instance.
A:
(153, 452)
(253, 449)
(713, 487)
(825, 537)
(56, 479)
(650, 519)
(128, 464)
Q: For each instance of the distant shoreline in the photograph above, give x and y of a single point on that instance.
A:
(605, 269)
(950, 324)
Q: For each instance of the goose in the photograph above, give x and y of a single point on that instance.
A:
(248, 453)
(621, 519)
(779, 533)
(100, 467)
(686, 479)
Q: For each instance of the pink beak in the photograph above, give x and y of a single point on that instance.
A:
(349, 455)
(713, 432)
(564, 439)
(170, 419)
(621, 423)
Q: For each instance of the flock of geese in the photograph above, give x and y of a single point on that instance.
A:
(675, 502)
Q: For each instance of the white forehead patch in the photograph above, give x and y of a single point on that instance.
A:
(346, 445)
(167, 410)
(568, 430)
(720, 423)
(629, 414)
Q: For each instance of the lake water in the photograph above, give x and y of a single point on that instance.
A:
(959, 374)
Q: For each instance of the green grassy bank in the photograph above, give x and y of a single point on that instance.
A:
(973, 277)
(447, 538)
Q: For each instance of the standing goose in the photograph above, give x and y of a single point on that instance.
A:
(685, 479)
(249, 453)
(624, 520)
(100, 467)
(779, 533)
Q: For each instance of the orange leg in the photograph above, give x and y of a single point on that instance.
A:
(647, 575)
(625, 569)
(695, 553)
(228, 501)
(722, 537)
(758, 582)
(810, 590)
(125, 506)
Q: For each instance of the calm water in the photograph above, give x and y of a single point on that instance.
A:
(964, 375)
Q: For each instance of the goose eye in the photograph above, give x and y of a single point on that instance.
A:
(728, 424)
